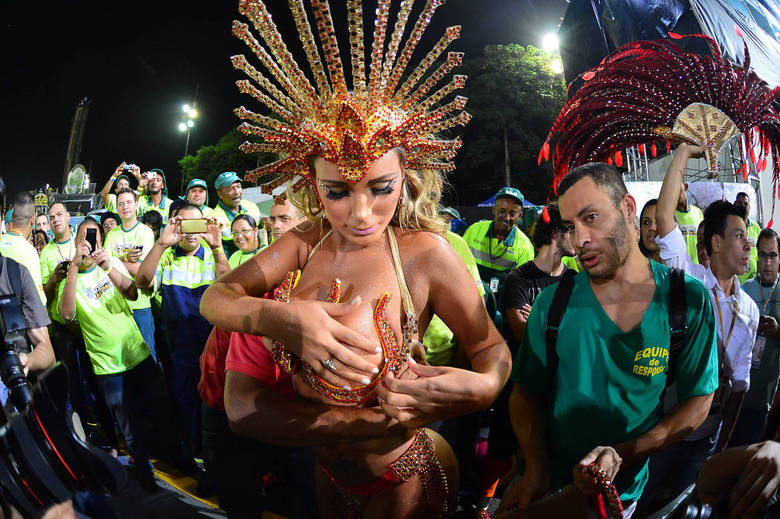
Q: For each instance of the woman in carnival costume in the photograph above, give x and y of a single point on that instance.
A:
(358, 283)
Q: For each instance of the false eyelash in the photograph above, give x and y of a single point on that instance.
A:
(335, 195)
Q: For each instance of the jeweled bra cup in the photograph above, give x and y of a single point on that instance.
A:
(394, 358)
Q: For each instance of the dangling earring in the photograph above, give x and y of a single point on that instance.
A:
(400, 208)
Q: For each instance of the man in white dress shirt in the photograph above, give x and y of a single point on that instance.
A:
(736, 319)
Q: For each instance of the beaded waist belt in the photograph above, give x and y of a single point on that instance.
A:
(419, 459)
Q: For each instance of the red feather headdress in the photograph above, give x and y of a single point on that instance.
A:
(648, 90)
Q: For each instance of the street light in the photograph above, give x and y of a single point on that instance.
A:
(187, 124)
(550, 42)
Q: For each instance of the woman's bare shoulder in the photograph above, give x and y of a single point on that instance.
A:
(427, 247)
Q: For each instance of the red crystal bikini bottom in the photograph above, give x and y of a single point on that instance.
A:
(419, 459)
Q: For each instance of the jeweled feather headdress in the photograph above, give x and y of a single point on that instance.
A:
(649, 90)
(349, 127)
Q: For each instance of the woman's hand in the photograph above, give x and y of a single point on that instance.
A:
(438, 392)
(316, 337)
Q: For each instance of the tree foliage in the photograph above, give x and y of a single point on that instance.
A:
(212, 160)
(514, 88)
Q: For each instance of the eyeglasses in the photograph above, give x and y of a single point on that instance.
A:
(245, 232)
(768, 255)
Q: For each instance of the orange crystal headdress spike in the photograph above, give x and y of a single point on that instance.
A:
(354, 127)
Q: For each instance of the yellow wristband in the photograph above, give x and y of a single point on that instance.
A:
(110, 268)
(216, 250)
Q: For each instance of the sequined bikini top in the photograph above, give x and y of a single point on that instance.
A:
(395, 357)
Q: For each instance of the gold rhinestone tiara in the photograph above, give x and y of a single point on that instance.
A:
(354, 127)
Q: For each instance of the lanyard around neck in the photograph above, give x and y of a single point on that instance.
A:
(720, 319)
(765, 300)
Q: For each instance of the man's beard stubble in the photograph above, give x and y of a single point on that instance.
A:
(615, 251)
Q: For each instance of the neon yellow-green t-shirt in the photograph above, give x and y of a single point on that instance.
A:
(145, 205)
(239, 257)
(112, 338)
(120, 241)
(689, 223)
(441, 344)
(16, 247)
(753, 230)
(52, 255)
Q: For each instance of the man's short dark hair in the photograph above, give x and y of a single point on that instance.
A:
(152, 219)
(715, 218)
(127, 190)
(179, 204)
(24, 208)
(543, 231)
(767, 234)
(742, 193)
(108, 215)
(603, 175)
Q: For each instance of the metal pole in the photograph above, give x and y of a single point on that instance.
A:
(506, 159)
(187, 143)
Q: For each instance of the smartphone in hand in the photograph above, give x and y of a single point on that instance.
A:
(194, 225)
(92, 238)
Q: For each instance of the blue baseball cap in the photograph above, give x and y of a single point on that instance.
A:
(225, 179)
(510, 192)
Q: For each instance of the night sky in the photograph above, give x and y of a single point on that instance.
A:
(140, 61)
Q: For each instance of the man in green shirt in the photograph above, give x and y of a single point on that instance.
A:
(753, 230)
(15, 242)
(688, 218)
(156, 197)
(498, 245)
(119, 180)
(198, 195)
(130, 242)
(95, 292)
(56, 255)
(229, 205)
(612, 347)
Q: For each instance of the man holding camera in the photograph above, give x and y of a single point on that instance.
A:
(95, 292)
(130, 242)
(120, 180)
(156, 197)
(230, 205)
(182, 268)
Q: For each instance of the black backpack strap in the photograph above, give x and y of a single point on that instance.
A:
(558, 306)
(678, 320)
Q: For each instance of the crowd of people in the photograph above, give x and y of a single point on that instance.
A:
(351, 355)
(653, 389)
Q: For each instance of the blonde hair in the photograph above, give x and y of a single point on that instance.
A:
(418, 207)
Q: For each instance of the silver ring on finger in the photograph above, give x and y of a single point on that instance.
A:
(329, 364)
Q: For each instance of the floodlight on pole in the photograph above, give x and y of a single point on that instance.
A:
(550, 42)
(186, 123)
